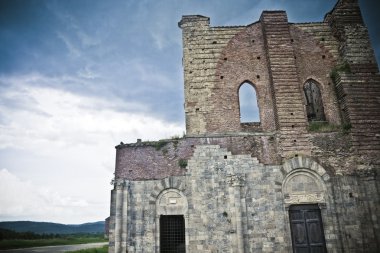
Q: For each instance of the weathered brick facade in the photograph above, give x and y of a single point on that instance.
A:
(242, 187)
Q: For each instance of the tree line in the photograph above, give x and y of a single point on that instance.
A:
(6, 234)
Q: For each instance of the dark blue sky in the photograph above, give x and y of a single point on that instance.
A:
(79, 76)
(128, 49)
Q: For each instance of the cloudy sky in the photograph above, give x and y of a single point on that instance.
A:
(79, 76)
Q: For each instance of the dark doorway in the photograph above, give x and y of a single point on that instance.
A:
(307, 229)
(172, 234)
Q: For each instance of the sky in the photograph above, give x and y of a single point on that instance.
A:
(77, 77)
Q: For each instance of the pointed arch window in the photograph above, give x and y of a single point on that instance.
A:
(249, 110)
(314, 104)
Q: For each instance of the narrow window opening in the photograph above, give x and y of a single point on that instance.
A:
(314, 105)
(172, 234)
(249, 110)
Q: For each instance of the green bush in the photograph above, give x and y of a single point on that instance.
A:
(346, 128)
(343, 67)
(182, 163)
(160, 144)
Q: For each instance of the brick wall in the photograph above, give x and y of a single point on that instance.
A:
(161, 159)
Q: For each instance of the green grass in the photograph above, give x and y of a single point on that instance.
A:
(103, 249)
(17, 243)
(325, 127)
(322, 127)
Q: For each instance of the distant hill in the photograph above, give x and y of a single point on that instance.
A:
(53, 228)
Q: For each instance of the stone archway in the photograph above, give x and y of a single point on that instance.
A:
(305, 195)
(171, 221)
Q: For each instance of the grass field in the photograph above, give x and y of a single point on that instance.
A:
(104, 249)
(16, 244)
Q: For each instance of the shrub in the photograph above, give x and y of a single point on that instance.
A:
(182, 163)
(343, 67)
(159, 144)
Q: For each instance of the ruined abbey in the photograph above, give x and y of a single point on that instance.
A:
(303, 177)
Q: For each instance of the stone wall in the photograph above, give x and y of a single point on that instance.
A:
(202, 46)
(233, 203)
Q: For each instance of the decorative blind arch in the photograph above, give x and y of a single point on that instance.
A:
(304, 182)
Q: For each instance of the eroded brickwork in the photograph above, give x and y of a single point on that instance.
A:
(235, 184)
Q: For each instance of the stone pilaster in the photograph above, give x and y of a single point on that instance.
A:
(236, 182)
(119, 215)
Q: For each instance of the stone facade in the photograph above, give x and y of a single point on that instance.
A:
(239, 187)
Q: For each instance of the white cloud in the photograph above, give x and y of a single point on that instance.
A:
(22, 200)
(70, 139)
(61, 118)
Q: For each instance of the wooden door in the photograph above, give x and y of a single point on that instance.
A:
(307, 229)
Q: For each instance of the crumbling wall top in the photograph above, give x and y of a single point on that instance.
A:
(193, 21)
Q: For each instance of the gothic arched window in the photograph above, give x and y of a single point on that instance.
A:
(314, 105)
(249, 110)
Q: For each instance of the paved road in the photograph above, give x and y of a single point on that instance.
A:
(56, 249)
